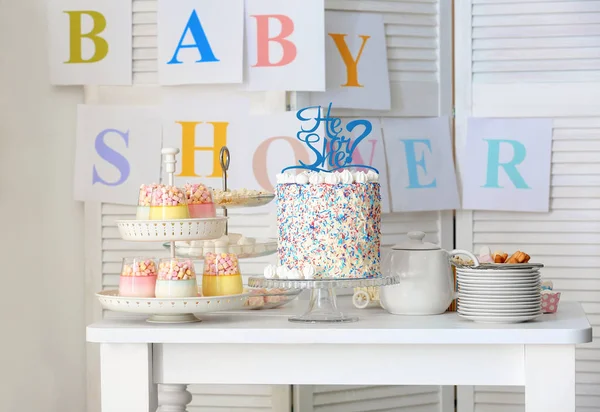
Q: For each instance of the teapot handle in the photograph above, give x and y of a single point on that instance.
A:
(456, 252)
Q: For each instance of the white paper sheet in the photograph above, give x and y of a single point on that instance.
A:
(200, 41)
(89, 42)
(356, 62)
(506, 164)
(419, 154)
(118, 149)
(295, 58)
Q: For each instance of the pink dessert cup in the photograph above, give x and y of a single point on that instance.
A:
(137, 286)
(201, 210)
(550, 302)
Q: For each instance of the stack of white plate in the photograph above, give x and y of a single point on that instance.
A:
(499, 293)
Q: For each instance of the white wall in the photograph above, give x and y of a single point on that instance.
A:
(41, 344)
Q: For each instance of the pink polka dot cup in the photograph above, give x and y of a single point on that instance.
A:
(550, 302)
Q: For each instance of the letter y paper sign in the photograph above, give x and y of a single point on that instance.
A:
(89, 42)
(286, 45)
(356, 60)
(200, 41)
(506, 165)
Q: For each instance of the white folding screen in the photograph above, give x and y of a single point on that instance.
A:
(419, 48)
(419, 41)
(539, 58)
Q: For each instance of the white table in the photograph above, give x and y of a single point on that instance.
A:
(262, 347)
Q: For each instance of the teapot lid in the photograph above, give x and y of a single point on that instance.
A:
(415, 242)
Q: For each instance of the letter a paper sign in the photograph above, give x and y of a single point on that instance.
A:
(89, 42)
(200, 41)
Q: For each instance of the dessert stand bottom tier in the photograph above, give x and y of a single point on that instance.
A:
(170, 310)
(322, 307)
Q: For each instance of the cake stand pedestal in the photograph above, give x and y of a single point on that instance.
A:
(322, 307)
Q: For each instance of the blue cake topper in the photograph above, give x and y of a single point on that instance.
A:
(336, 150)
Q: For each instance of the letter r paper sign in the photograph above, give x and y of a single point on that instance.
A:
(89, 42)
(118, 149)
(286, 45)
(506, 165)
(420, 164)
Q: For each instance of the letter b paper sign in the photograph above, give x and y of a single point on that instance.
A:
(90, 42)
(506, 165)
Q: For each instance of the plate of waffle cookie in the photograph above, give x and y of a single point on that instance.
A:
(498, 260)
(499, 287)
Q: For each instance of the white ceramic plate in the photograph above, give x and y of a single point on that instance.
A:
(495, 306)
(497, 293)
(501, 305)
(499, 299)
(501, 315)
(500, 278)
(170, 310)
(498, 314)
(497, 319)
(497, 272)
(516, 283)
(500, 311)
(477, 289)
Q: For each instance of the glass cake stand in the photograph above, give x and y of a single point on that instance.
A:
(322, 307)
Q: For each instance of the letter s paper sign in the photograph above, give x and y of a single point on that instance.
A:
(89, 42)
(118, 149)
(506, 163)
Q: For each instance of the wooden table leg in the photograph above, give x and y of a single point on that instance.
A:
(550, 378)
(126, 378)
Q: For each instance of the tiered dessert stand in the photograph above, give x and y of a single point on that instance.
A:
(262, 247)
(171, 310)
(322, 307)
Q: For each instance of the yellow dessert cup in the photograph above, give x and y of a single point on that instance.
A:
(222, 285)
(169, 212)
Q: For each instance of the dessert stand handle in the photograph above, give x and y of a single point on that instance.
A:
(225, 157)
(169, 157)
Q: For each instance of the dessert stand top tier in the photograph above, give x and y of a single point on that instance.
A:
(173, 229)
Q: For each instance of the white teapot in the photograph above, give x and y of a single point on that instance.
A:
(426, 283)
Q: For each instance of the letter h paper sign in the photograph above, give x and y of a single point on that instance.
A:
(506, 165)
(89, 42)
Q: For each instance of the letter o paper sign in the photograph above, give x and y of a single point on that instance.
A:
(89, 42)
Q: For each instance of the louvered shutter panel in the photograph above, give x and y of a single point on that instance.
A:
(419, 48)
(539, 59)
(105, 249)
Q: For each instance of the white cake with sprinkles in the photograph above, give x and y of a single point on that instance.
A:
(329, 225)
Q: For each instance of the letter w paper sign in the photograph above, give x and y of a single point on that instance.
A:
(89, 42)
(506, 165)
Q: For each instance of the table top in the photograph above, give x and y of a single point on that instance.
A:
(375, 326)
